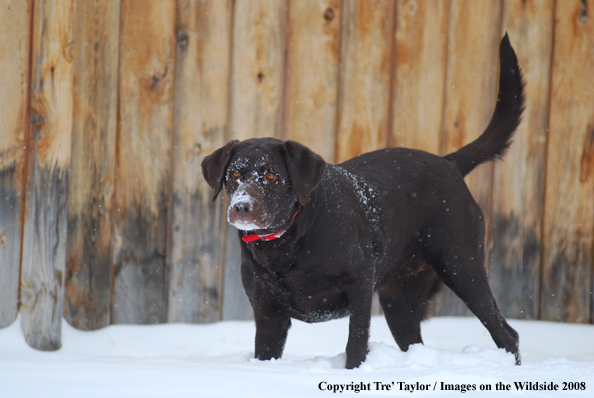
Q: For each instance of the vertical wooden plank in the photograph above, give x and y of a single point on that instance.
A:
(313, 74)
(143, 179)
(47, 183)
(256, 103)
(257, 68)
(15, 28)
(419, 82)
(566, 290)
(471, 92)
(201, 122)
(367, 44)
(87, 282)
(518, 181)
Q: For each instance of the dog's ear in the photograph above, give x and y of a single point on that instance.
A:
(214, 167)
(306, 169)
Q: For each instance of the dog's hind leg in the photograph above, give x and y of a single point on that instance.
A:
(462, 270)
(406, 301)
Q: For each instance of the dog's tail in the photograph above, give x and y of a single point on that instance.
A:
(496, 138)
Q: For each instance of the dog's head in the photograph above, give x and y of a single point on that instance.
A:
(266, 179)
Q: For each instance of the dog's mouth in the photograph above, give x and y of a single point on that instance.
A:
(245, 223)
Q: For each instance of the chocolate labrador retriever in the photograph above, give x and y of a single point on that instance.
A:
(318, 239)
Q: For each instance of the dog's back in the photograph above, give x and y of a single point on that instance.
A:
(496, 139)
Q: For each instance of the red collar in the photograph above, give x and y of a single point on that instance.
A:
(256, 237)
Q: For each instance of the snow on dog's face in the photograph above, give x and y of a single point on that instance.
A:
(266, 180)
(258, 186)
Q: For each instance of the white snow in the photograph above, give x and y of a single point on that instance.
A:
(245, 225)
(365, 193)
(215, 360)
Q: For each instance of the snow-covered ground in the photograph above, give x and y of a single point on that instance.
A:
(178, 360)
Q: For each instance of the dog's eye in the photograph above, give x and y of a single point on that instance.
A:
(236, 174)
(270, 176)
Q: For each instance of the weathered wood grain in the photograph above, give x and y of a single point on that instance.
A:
(257, 74)
(313, 74)
(289, 69)
(15, 25)
(420, 71)
(45, 224)
(200, 127)
(518, 181)
(367, 52)
(143, 176)
(471, 91)
(87, 281)
(257, 68)
(566, 289)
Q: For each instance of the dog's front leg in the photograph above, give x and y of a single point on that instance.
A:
(360, 298)
(271, 335)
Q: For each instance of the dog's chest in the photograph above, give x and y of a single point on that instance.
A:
(304, 289)
(273, 256)
(310, 298)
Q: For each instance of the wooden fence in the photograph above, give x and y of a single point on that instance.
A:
(108, 107)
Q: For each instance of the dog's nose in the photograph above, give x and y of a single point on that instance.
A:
(242, 209)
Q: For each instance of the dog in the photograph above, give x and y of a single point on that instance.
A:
(317, 240)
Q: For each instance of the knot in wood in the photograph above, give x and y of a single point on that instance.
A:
(37, 120)
(583, 15)
(182, 40)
